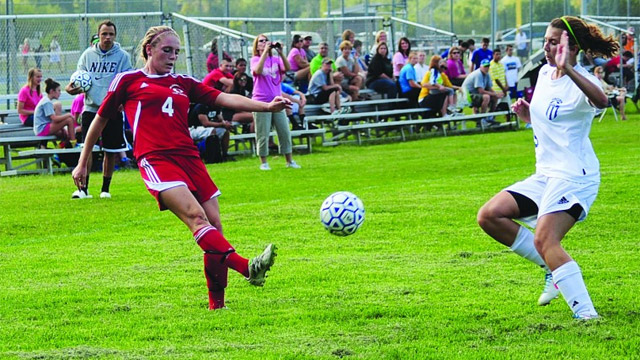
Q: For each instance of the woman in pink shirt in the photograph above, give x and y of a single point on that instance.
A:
(400, 58)
(29, 96)
(455, 68)
(298, 59)
(267, 75)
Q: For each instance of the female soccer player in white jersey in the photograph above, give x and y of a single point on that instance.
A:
(156, 103)
(567, 171)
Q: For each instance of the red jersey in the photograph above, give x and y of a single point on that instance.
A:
(157, 108)
(213, 78)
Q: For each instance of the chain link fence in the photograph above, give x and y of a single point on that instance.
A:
(235, 35)
(54, 43)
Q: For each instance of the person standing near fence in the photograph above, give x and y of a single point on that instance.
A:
(54, 53)
(103, 61)
(268, 71)
(567, 176)
(157, 103)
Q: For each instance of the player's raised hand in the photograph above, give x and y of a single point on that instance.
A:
(562, 51)
(521, 108)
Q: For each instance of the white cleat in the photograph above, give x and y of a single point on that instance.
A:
(105, 195)
(550, 290)
(79, 194)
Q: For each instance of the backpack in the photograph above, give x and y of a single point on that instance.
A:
(211, 150)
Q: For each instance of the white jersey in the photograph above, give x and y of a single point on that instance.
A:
(561, 117)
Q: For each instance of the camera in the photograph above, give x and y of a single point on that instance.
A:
(276, 45)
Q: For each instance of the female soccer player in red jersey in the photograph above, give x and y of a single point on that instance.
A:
(156, 103)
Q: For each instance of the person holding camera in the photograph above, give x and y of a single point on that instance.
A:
(268, 71)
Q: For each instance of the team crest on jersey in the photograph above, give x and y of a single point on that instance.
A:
(552, 109)
(177, 89)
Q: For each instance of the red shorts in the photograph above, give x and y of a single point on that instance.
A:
(166, 171)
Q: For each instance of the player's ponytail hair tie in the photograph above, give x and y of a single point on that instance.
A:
(571, 31)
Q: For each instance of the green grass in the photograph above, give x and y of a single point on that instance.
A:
(120, 280)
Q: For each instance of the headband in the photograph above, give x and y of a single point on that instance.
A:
(571, 31)
(162, 32)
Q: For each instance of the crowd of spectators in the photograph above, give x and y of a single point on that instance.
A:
(482, 78)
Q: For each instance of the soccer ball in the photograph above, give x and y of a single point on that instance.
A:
(342, 213)
(81, 79)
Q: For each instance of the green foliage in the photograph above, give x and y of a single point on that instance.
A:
(118, 279)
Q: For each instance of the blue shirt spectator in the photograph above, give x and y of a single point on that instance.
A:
(407, 73)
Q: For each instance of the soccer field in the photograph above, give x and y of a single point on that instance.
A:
(117, 279)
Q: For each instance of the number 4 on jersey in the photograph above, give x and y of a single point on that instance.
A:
(167, 107)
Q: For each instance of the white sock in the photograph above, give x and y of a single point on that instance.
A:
(523, 246)
(568, 278)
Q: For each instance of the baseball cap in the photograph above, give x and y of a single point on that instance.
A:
(94, 39)
(485, 62)
(307, 36)
(327, 61)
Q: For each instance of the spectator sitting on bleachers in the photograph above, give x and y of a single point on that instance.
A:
(437, 91)
(29, 96)
(298, 59)
(480, 54)
(48, 118)
(316, 63)
(298, 101)
(381, 37)
(617, 96)
(380, 73)
(204, 122)
(241, 66)
(212, 59)
(220, 78)
(306, 46)
(613, 66)
(497, 71)
(455, 67)
(409, 86)
(480, 94)
(244, 118)
(357, 48)
(401, 56)
(346, 63)
(420, 67)
(348, 35)
(323, 89)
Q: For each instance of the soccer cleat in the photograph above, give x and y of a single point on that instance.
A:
(550, 290)
(79, 194)
(265, 166)
(259, 265)
(586, 317)
(105, 195)
(293, 165)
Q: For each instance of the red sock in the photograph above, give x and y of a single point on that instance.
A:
(216, 299)
(218, 257)
(212, 241)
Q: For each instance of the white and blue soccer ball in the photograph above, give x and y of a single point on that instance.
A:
(342, 213)
(81, 79)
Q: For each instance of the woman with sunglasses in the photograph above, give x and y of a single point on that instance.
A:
(455, 68)
(567, 176)
(298, 59)
(268, 71)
